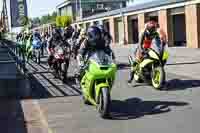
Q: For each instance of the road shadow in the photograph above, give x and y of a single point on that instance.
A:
(183, 63)
(122, 66)
(178, 84)
(135, 108)
(38, 91)
(12, 117)
(45, 87)
(44, 61)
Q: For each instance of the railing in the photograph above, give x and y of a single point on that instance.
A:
(18, 52)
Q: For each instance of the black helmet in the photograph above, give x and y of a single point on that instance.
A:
(56, 34)
(101, 27)
(94, 34)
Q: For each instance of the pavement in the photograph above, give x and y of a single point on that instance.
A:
(55, 107)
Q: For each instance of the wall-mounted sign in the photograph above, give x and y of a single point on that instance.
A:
(18, 13)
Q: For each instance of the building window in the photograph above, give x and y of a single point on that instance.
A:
(100, 6)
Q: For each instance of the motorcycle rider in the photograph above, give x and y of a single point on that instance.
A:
(107, 37)
(93, 42)
(19, 36)
(80, 40)
(68, 31)
(36, 35)
(150, 32)
(52, 43)
(76, 33)
(44, 42)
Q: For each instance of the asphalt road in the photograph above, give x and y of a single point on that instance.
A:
(55, 107)
(135, 108)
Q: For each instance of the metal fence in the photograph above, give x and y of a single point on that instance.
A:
(17, 50)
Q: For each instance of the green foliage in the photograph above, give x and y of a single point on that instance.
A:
(45, 19)
(63, 21)
(58, 21)
(36, 20)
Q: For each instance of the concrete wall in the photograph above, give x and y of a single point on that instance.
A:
(192, 26)
(112, 28)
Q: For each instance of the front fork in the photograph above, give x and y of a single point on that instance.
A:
(133, 68)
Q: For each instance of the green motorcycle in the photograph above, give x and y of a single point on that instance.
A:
(29, 48)
(97, 81)
(152, 66)
(21, 52)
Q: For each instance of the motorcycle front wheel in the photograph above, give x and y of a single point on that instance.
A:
(158, 77)
(103, 105)
(38, 56)
(64, 69)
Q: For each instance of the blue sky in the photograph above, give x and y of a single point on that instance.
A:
(41, 7)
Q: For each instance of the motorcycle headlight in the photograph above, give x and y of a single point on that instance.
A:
(106, 61)
(60, 51)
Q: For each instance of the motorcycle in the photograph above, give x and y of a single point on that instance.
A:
(36, 51)
(97, 81)
(61, 61)
(21, 52)
(151, 68)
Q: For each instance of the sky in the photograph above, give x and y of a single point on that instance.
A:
(37, 7)
(41, 7)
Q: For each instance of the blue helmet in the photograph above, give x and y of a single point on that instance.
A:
(94, 34)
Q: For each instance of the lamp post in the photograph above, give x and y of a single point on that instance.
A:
(81, 13)
(122, 15)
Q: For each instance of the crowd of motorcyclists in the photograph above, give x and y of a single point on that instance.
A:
(82, 41)
(96, 60)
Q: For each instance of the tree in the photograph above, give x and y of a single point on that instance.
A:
(53, 17)
(36, 20)
(58, 21)
(49, 18)
(44, 19)
(63, 21)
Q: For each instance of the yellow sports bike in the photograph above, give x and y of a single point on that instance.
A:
(151, 68)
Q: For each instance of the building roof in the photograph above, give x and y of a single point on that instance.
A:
(111, 0)
(136, 7)
(63, 4)
(70, 1)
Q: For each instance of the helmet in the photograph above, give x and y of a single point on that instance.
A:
(93, 34)
(68, 31)
(56, 33)
(151, 26)
(101, 27)
(36, 33)
(83, 32)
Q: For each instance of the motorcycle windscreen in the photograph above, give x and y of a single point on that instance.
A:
(160, 49)
(101, 58)
(156, 45)
(59, 50)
